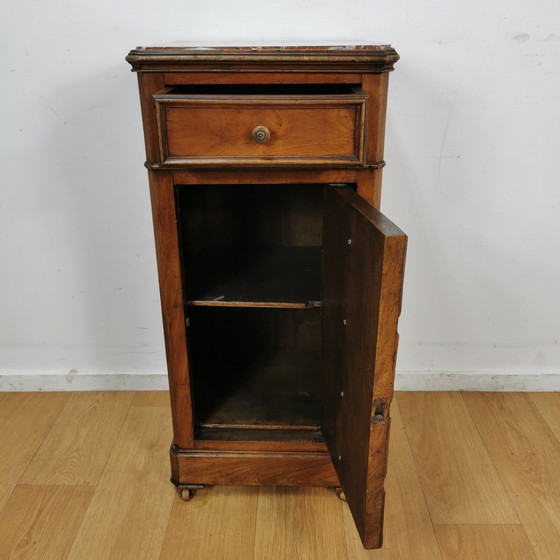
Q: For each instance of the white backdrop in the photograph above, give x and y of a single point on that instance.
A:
(473, 142)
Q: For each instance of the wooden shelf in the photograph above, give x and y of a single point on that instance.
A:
(279, 391)
(221, 433)
(283, 277)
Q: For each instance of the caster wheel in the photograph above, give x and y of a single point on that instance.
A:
(340, 494)
(186, 494)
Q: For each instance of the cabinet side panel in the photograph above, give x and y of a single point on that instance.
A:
(148, 84)
(375, 86)
(369, 185)
(169, 272)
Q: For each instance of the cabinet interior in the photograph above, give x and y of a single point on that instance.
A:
(264, 89)
(255, 369)
(251, 270)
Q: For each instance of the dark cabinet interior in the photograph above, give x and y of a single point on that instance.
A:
(251, 274)
(251, 245)
(265, 376)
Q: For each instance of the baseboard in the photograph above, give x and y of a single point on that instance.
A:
(405, 381)
(83, 382)
(476, 381)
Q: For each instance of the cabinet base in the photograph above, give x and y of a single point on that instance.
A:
(192, 468)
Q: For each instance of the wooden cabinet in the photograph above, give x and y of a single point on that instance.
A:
(280, 279)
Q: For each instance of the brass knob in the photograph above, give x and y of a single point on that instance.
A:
(261, 134)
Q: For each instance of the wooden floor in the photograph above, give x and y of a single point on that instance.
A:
(86, 476)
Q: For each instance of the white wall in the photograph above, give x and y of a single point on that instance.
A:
(473, 141)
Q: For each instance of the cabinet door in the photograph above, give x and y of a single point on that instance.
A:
(363, 264)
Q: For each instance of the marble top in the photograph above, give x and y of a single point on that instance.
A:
(382, 57)
(297, 46)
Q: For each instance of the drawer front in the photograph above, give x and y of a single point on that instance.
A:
(201, 130)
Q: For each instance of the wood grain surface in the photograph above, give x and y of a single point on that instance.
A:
(484, 542)
(548, 404)
(526, 454)
(460, 481)
(151, 398)
(195, 528)
(129, 511)
(81, 440)
(25, 419)
(40, 522)
(133, 511)
(360, 313)
(280, 468)
(217, 130)
(164, 215)
(299, 524)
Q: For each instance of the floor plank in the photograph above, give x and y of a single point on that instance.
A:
(299, 524)
(78, 445)
(25, 419)
(484, 542)
(217, 524)
(527, 455)
(460, 482)
(40, 522)
(548, 405)
(408, 530)
(151, 398)
(129, 511)
(5, 491)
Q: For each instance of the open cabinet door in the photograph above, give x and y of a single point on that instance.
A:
(363, 264)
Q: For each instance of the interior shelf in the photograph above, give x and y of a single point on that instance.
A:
(234, 435)
(282, 277)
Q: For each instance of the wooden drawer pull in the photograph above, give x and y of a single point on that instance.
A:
(261, 134)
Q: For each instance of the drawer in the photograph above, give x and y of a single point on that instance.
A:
(261, 129)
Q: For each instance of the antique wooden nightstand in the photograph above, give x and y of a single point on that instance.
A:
(280, 279)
